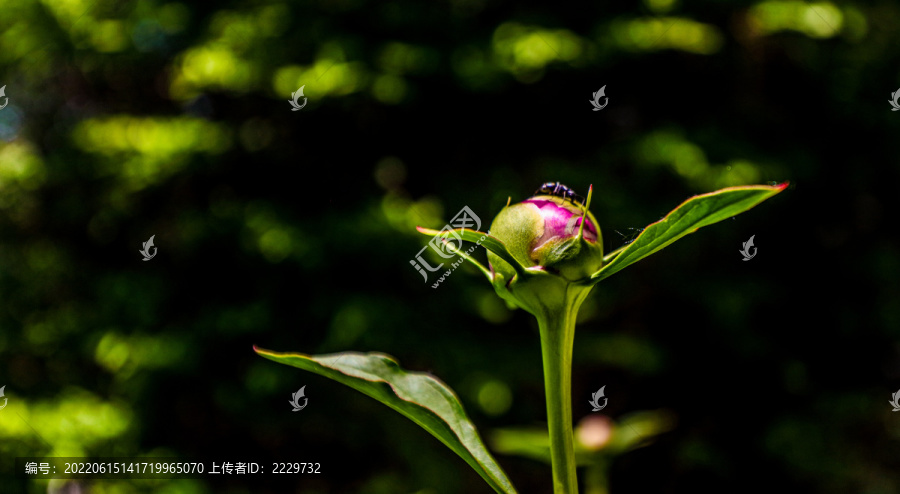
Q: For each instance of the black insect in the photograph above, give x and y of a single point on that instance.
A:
(559, 190)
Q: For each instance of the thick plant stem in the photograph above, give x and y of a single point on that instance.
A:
(557, 336)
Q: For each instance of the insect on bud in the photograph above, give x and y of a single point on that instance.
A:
(546, 231)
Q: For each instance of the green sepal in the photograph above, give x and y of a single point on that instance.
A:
(612, 255)
(490, 243)
(467, 257)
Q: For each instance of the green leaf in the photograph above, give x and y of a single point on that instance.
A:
(421, 397)
(632, 431)
(533, 443)
(692, 214)
(528, 442)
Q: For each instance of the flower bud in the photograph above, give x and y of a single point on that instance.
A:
(545, 232)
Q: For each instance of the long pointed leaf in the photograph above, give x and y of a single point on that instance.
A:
(421, 397)
(692, 214)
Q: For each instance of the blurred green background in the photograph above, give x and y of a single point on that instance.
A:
(294, 231)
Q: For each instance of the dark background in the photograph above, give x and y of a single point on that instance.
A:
(294, 230)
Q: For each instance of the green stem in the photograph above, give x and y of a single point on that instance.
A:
(595, 481)
(557, 336)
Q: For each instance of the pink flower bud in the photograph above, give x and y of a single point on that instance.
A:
(543, 231)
